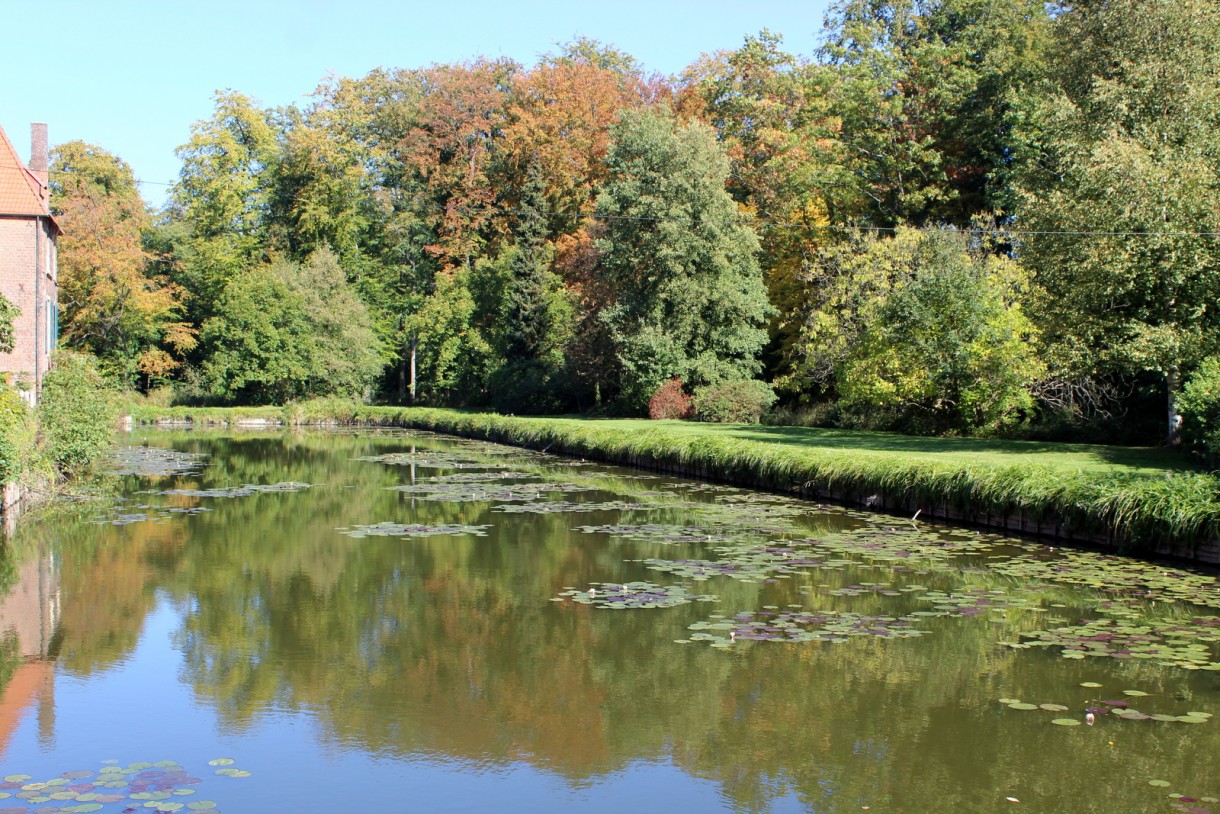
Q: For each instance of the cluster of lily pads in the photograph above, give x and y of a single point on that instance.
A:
(234, 491)
(427, 459)
(1148, 580)
(1116, 708)
(149, 512)
(1185, 802)
(486, 492)
(567, 506)
(155, 461)
(619, 596)
(1172, 645)
(413, 530)
(164, 786)
(794, 625)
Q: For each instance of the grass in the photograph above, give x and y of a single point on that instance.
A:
(965, 451)
(1142, 500)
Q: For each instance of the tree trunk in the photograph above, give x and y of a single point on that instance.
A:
(412, 368)
(1173, 384)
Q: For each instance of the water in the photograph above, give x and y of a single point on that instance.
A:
(472, 671)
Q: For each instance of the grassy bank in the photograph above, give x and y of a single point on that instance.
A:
(1141, 500)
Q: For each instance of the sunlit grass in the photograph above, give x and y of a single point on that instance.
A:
(1141, 497)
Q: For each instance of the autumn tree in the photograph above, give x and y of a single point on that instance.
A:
(771, 112)
(114, 304)
(689, 295)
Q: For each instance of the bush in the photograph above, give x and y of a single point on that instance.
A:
(670, 401)
(1199, 404)
(741, 402)
(14, 416)
(77, 412)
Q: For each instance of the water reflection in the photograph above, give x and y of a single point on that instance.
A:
(447, 650)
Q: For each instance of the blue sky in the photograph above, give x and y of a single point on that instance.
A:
(131, 76)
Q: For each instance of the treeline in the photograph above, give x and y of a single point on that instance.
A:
(956, 216)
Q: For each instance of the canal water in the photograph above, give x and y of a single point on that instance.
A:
(391, 621)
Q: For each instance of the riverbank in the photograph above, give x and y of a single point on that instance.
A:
(1138, 501)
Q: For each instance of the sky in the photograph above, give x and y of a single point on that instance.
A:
(131, 76)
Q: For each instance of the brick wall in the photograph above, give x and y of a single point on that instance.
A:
(20, 240)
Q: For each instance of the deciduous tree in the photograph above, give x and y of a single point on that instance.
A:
(689, 295)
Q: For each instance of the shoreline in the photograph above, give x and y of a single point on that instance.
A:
(1174, 514)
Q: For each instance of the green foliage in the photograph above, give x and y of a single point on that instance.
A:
(14, 415)
(670, 402)
(922, 321)
(1120, 183)
(454, 358)
(926, 95)
(690, 297)
(8, 315)
(1199, 404)
(742, 402)
(77, 412)
(290, 331)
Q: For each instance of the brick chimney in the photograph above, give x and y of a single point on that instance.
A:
(40, 157)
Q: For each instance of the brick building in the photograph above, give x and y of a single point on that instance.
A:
(28, 270)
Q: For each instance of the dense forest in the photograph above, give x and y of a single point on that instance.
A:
(958, 216)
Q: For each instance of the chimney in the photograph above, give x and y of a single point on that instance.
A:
(40, 157)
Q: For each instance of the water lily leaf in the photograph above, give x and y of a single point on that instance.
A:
(1066, 722)
(1159, 783)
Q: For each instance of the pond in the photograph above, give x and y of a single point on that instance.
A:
(391, 621)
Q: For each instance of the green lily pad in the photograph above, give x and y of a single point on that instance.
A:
(1066, 722)
(1091, 684)
(1160, 784)
(1022, 706)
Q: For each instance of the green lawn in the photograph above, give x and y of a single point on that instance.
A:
(969, 451)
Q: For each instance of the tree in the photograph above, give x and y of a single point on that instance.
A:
(223, 197)
(1121, 193)
(689, 296)
(927, 324)
(926, 93)
(115, 305)
(772, 115)
(290, 331)
(8, 315)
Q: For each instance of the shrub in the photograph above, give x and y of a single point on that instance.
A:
(13, 418)
(1199, 404)
(741, 402)
(670, 401)
(77, 412)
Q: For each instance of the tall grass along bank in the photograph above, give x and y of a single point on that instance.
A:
(1132, 501)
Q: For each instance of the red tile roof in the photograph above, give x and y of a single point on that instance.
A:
(19, 189)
